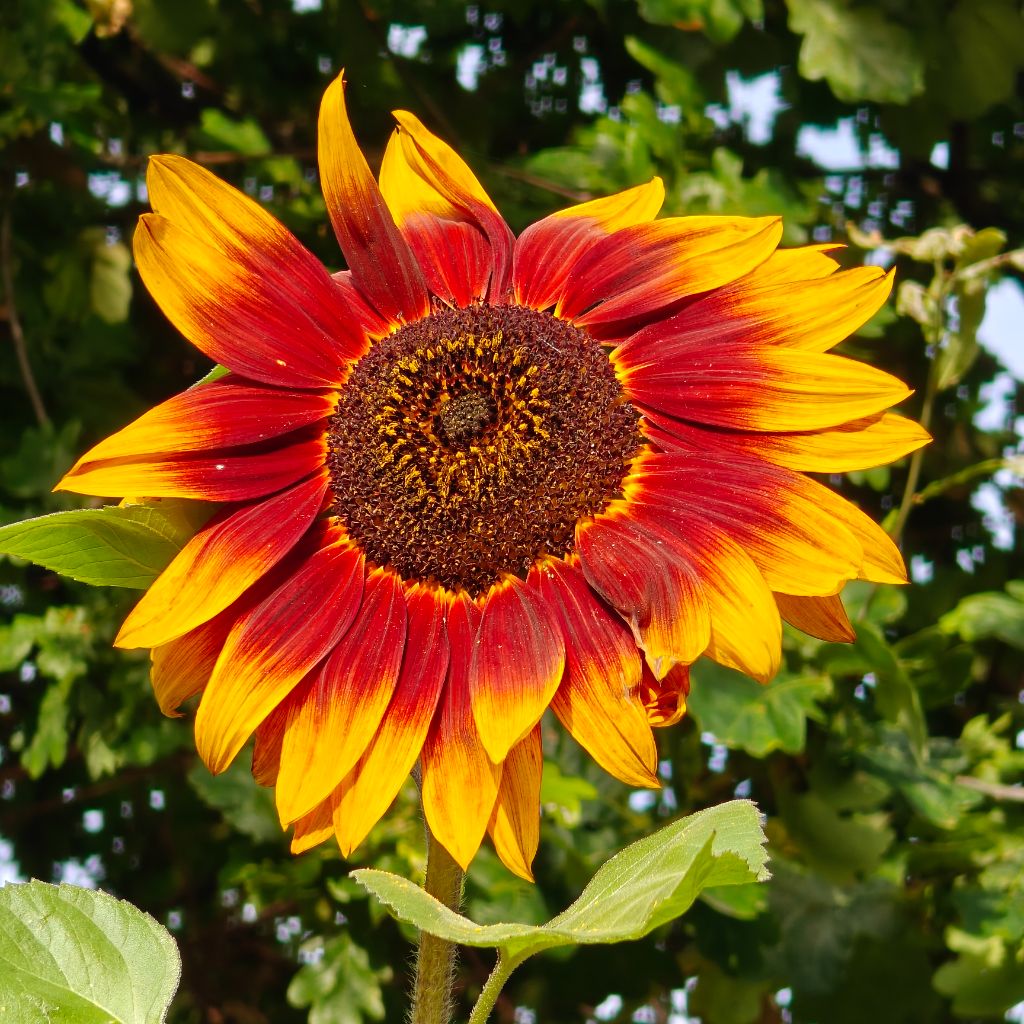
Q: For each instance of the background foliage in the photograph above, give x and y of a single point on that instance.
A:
(889, 770)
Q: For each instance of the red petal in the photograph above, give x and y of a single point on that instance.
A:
(517, 665)
(358, 305)
(223, 413)
(272, 647)
(380, 259)
(335, 721)
(231, 474)
(598, 700)
(235, 314)
(234, 550)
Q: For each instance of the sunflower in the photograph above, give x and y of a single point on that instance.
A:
(474, 476)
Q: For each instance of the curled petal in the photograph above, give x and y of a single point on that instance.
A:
(546, 252)
(516, 666)
(515, 821)
(271, 649)
(313, 828)
(380, 259)
(226, 557)
(665, 699)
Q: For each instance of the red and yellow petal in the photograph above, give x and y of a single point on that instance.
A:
(210, 209)
(546, 252)
(598, 701)
(225, 557)
(770, 388)
(787, 266)
(858, 444)
(515, 820)
(380, 259)
(665, 699)
(642, 269)
(337, 715)
(821, 617)
(229, 474)
(220, 414)
(366, 792)
(516, 665)
(313, 828)
(270, 649)
(426, 174)
(233, 313)
(460, 782)
(658, 593)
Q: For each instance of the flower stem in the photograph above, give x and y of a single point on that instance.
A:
(435, 959)
(492, 988)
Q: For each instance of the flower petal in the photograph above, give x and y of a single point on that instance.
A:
(515, 820)
(313, 828)
(665, 699)
(368, 789)
(813, 317)
(221, 216)
(460, 782)
(454, 252)
(644, 268)
(598, 700)
(226, 557)
(456, 194)
(769, 388)
(234, 314)
(271, 649)
(859, 444)
(516, 666)
(231, 474)
(546, 251)
(786, 266)
(380, 259)
(372, 324)
(821, 617)
(223, 413)
(775, 515)
(658, 593)
(332, 725)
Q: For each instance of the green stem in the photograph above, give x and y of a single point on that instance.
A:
(492, 989)
(435, 959)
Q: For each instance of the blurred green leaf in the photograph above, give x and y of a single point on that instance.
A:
(246, 806)
(861, 52)
(757, 718)
(720, 19)
(986, 616)
(337, 983)
(82, 957)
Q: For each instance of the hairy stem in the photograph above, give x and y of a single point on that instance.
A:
(492, 989)
(435, 959)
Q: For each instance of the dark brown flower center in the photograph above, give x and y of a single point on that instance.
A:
(469, 444)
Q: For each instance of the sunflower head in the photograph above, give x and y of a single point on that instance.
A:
(474, 476)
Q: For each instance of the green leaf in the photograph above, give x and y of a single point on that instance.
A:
(983, 982)
(81, 957)
(246, 806)
(113, 546)
(895, 694)
(861, 52)
(338, 984)
(759, 719)
(987, 616)
(646, 885)
(720, 20)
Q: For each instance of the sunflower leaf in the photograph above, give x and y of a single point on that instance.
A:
(646, 885)
(113, 546)
(82, 957)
